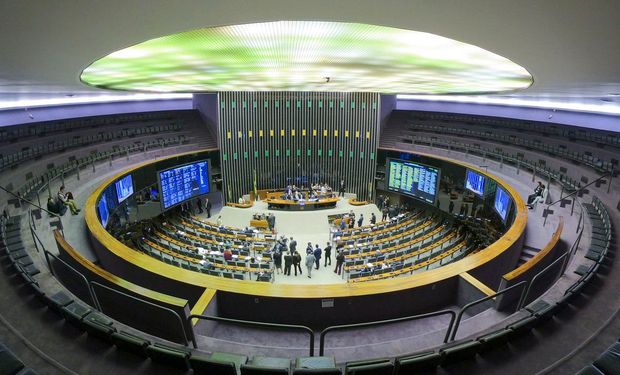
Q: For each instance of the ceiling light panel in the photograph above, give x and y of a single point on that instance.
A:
(300, 56)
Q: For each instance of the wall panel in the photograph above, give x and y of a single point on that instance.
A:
(298, 138)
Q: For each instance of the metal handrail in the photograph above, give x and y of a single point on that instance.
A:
(484, 299)
(22, 199)
(91, 293)
(253, 323)
(539, 274)
(387, 321)
(174, 313)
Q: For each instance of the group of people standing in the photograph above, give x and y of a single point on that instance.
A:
(348, 220)
(285, 251)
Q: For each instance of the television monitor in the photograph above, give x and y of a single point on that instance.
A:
(102, 208)
(178, 184)
(502, 203)
(414, 179)
(474, 182)
(124, 188)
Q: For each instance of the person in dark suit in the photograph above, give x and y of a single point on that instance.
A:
(199, 205)
(309, 248)
(288, 261)
(361, 220)
(208, 207)
(297, 262)
(341, 188)
(328, 254)
(339, 262)
(292, 245)
(317, 256)
(277, 261)
(373, 219)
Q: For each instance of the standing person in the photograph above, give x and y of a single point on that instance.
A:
(361, 220)
(199, 205)
(309, 248)
(292, 245)
(451, 206)
(373, 219)
(67, 200)
(328, 254)
(317, 256)
(208, 207)
(277, 261)
(341, 189)
(339, 262)
(297, 262)
(343, 223)
(288, 261)
(309, 264)
(380, 202)
(384, 214)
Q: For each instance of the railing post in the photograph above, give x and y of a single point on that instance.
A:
(38, 197)
(77, 171)
(572, 207)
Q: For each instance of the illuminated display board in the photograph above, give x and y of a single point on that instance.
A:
(306, 56)
(124, 188)
(474, 182)
(502, 202)
(414, 179)
(184, 182)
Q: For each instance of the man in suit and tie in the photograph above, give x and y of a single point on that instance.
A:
(288, 261)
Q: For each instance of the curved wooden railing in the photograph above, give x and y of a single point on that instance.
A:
(133, 264)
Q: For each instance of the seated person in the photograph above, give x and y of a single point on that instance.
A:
(538, 198)
(67, 200)
(538, 190)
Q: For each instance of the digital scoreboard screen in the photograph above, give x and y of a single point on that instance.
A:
(124, 188)
(414, 179)
(474, 182)
(502, 203)
(184, 182)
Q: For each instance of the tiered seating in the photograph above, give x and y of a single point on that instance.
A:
(11, 365)
(34, 184)
(201, 250)
(596, 140)
(64, 137)
(560, 150)
(607, 363)
(567, 182)
(601, 229)
(416, 243)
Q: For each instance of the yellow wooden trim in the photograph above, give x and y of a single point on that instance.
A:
(477, 284)
(555, 238)
(144, 261)
(355, 202)
(202, 303)
(118, 281)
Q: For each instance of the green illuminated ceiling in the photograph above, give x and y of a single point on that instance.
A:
(306, 56)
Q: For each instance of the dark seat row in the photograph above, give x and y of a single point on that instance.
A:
(608, 363)
(34, 184)
(11, 365)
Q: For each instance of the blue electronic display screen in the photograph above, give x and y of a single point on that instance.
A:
(102, 208)
(414, 179)
(502, 202)
(184, 182)
(124, 188)
(474, 182)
